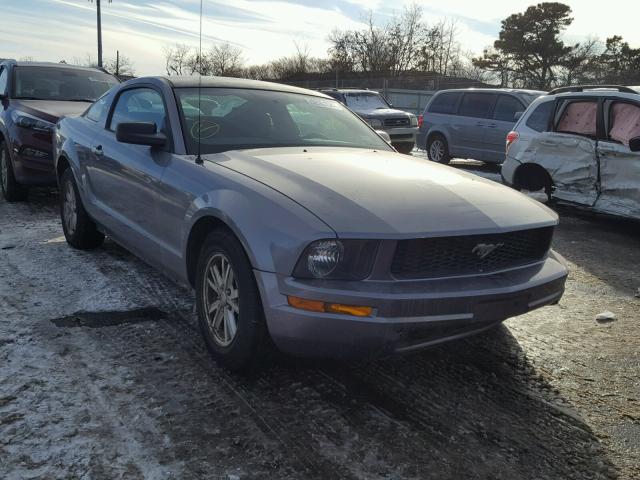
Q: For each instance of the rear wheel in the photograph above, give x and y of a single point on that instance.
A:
(438, 150)
(11, 189)
(228, 304)
(79, 229)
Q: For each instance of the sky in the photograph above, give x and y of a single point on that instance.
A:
(52, 30)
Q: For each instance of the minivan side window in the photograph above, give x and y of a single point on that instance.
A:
(624, 122)
(4, 76)
(445, 103)
(579, 117)
(476, 105)
(539, 118)
(506, 108)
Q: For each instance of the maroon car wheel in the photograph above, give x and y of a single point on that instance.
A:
(11, 190)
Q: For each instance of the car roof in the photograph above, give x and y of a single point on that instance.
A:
(228, 82)
(494, 90)
(597, 93)
(51, 65)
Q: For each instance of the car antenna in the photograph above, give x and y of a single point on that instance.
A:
(199, 157)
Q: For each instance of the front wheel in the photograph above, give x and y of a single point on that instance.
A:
(79, 229)
(405, 148)
(438, 150)
(228, 304)
(11, 189)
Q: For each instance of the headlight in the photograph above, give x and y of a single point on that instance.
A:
(374, 122)
(414, 120)
(337, 259)
(25, 120)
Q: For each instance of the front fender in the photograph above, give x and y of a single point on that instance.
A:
(273, 229)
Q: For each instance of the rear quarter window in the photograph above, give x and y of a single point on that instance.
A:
(445, 103)
(539, 118)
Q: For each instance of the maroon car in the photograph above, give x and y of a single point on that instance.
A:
(34, 96)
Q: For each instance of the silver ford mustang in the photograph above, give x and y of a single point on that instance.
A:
(296, 223)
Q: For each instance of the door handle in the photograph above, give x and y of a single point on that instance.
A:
(97, 150)
(492, 125)
(480, 124)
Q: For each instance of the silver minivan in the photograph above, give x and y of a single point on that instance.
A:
(471, 123)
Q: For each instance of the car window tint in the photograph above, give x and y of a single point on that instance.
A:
(60, 83)
(139, 105)
(445, 103)
(625, 122)
(3, 80)
(98, 111)
(579, 117)
(476, 105)
(539, 118)
(506, 108)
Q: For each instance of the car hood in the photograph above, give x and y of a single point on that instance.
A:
(381, 112)
(51, 110)
(376, 194)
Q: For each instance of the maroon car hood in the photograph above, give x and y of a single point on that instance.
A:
(50, 110)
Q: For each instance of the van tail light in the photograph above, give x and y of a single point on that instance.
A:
(420, 120)
(511, 138)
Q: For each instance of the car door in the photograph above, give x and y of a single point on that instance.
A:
(503, 121)
(619, 166)
(470, 125)
(568, 150)
(125, 178)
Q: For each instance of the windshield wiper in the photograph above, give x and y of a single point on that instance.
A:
(89, 100)
(27, 98)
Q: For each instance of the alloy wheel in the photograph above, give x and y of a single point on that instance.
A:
(436, 150)
(70, 209)
(221, 299)
(4, 169)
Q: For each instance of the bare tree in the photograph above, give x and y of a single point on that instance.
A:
(177, 60)
(226, 60)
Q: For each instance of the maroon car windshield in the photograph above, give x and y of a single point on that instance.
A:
(60, 83)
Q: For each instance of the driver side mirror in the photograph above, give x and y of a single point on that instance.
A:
(140, 133)
(634, 144)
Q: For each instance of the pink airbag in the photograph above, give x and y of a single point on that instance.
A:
(625, 121)
(579, 117)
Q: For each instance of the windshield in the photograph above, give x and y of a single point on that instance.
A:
(365, 101)
(237, 119)
(53, 83)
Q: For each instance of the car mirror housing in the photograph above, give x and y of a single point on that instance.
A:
(140, 133)
(634, 144)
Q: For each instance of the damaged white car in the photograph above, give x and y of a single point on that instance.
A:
(581, 145)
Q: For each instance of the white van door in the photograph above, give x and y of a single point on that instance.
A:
(619, 166)
(568, 152)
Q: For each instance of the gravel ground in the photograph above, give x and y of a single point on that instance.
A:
(103, 374)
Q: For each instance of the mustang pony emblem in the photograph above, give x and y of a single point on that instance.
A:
(485, 249)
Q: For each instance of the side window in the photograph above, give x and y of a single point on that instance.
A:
(506, 108)
(98, 111)
(539, 118)
(4, 76)
(624, 122)
(445, 103)
(139, 105)
(476, 105)
(578, 117)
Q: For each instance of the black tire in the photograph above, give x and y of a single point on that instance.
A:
(404, 148)
(251, 345)
(11, 189)
(83, 233)
(439, 155)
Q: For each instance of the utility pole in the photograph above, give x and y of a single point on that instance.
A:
(99, 14)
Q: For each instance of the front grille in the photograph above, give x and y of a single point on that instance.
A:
(468, 255)
(396, 122)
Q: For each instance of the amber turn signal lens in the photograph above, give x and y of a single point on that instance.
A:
(318, 306)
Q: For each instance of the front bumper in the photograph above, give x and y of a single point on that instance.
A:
(402, 135)
(408, 315)
(32, 156)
